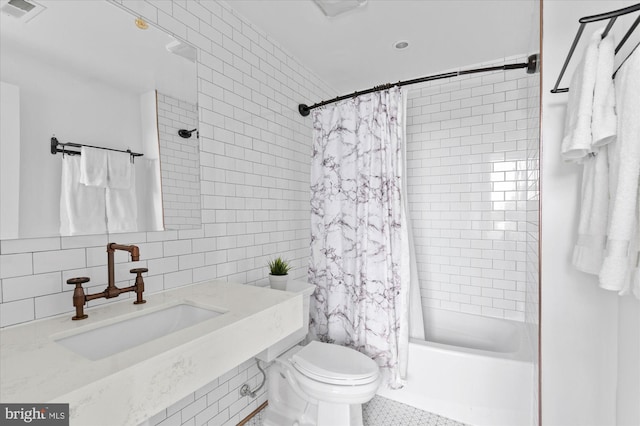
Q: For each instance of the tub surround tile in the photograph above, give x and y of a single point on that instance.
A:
(468, 181)
(156, 374)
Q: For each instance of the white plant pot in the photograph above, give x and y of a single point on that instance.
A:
(278, 282)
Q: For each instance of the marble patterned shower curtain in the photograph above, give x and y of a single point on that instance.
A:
(359, 259)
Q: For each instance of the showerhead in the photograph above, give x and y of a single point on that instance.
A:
(187, 133)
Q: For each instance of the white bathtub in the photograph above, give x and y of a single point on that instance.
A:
(472, 369)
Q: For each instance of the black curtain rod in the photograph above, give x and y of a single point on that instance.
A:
(612, 16)
(532, 66)
(55, 144)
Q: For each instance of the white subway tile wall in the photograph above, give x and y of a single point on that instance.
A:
(467, 181)
(180, 163)
(254, 166)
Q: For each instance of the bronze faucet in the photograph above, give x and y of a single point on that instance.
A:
(80, 298)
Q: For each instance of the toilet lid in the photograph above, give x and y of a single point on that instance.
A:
(335, 364)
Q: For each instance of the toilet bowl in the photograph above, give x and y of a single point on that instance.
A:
(320, 384)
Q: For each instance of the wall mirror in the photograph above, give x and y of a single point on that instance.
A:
(90, 72)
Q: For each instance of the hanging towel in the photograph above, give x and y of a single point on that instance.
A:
(635, 278)
(150, 192)
(621, 254)
(93, 167)
(82, 208)
(594, 209)
(576, 144)
(592, 228)
(118, 170)
(604, 120)
(122, 207)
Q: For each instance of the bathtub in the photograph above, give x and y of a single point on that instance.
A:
(473, 369)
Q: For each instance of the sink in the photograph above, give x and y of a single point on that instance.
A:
(110, 339)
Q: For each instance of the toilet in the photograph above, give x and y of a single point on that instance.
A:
(318, 384)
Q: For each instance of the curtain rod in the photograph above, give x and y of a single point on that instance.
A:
(532, 65)
(55, 143)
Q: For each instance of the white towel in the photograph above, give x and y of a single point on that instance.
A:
(82, 208)
(576, 144)
(122, 208)
(621, 255)
(604, 120)
(93, 167)
(594, 212)
(635, 278)
(118, 170)
(150, 192)
(588, 252)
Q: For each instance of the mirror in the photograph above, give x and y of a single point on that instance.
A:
(85, 73)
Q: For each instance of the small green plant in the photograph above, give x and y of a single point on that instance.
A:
(279, 266)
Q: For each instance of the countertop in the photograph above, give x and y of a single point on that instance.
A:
(130, 386)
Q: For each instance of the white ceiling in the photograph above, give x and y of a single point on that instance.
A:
(99, 41)
(354, 51)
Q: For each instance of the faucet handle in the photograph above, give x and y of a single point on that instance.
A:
(78, 281)
(78, 296)
(139, 285)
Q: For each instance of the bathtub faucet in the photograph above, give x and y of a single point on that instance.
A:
(80, 298)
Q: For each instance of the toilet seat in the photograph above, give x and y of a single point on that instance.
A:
(335, 364)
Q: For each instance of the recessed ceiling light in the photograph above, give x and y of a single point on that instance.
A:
(141, 23)
(400, 45)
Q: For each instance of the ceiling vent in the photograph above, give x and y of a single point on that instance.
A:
(22, 10)
(333, 8)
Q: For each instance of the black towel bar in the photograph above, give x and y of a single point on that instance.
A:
(55, 148)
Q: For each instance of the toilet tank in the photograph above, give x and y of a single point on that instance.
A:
(272, 352)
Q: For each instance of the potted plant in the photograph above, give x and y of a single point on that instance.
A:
(279, 273)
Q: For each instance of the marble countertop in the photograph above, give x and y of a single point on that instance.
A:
(130, 386)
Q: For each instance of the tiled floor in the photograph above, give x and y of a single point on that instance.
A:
(385, 412)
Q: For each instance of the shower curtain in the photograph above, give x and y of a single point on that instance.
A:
(359, 259)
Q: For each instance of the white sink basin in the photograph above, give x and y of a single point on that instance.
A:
(103, 341)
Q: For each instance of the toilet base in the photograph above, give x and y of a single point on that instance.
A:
(278, 418)
(330, 414)
(327, 415)
(285, 407)
(288, 408)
